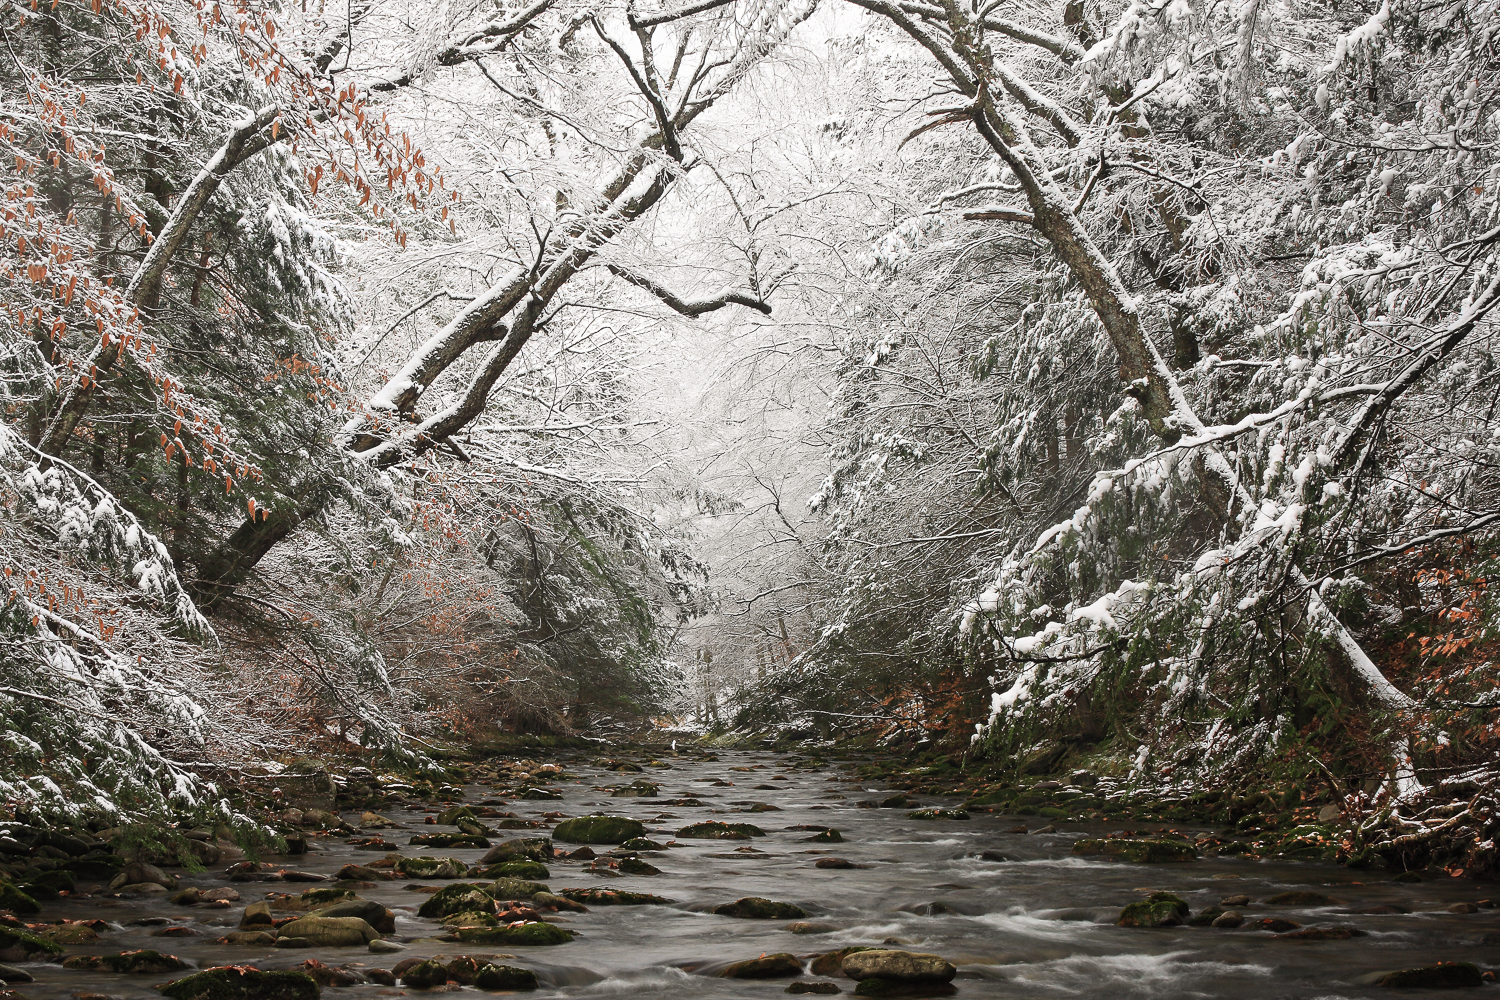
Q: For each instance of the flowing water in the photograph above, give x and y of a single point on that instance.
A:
(1038, 924)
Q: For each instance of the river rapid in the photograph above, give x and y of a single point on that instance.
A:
(1016, 912)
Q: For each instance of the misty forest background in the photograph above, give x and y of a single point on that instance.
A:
(1106, 381)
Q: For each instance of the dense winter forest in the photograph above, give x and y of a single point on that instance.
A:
(1100, 380)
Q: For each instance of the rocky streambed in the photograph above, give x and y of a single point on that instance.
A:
(725, 875)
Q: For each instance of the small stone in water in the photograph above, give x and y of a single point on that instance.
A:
(805, 987)
(380, 946)
(1241, 900)
(1227, 920)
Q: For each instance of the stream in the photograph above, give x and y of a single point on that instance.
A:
(1025, 920)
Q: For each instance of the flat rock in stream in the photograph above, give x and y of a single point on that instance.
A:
(899, 966)
(1442, 976)
(614, 897)
(759, 908)
(143, 962)
(1138, 850)
(778, 966)
(598, 830)
(243, 983)
(522, 848)
(329, 932)
(715, 830)
(518, 936)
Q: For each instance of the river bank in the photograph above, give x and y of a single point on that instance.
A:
(1003, 896)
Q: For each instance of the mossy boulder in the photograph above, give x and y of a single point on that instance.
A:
(515, 869)
(240, 983)
(17, 945)
(49, 885)
(451, 815)
(515, 888)
(471, 918)
(1160, 909)
(1442, 976)
(330, 932)
(448, 840)
(782, 965)
(759, 908)
(456, 898)
(598, 830)
(125, 963)
(425, 867)
(16, 901)
(527, 848)
(614, 897)
(642, 844)
(1141, 851)
(425, 975)
(715, 830)
(525, 935)
(505, 977)
(934, 814)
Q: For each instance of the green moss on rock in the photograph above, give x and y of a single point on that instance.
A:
(18, 946)
(517, 937)
(16, 901)
(714, 830)
(515, 869)
(236, 983)
(505, 977)
(598, 830)
(141, 962)
(456, 898)
(759, 908)
(614, 897)
(1139, 851)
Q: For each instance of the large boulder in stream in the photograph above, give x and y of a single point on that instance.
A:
(457, 898)
(598, 830)
(533, 870)
(759, 908)
(330, 932)
(16, 901)
(899, 966)
(17, 945)
(425, 867)
(138, 873)
(714, 830)
(522, 848)
(243, 983)
(1160, 909)
(371, 912)
(505, 977)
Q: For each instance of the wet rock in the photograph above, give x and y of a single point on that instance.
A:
(533, 870)
(425, 975)
(548, 901)
(1139, 851)
(894, 988)
(310, 899)
(220, 895)
(515, 888)
(832, 963)
(451, 815)
(839, 863)
(375, 821)
(806, 987)
(807, 927)
(361, 873)
(330, 932)
(10, 974)
(249, 938)
(143, 962)
(457, 898)
(425, 867)
(1342, 933)
(16, 901)
(598, 830)
(897, 801)
(617, 897)
(1227, 920)
(69, 934)
(289, 941)
(377, 916)
(1240, 900)
(1384, 909)
(829, 836)
(462, 840)
(257, 915)
(1407, 877)
(175, 932)
(505, 977)
(1299, 897)
(777, 966)
(327, 975)
(900, 966)
(1160, 909)
(137, 874)
(636, 790)
(523, 935)
(17, 945)
(243, 983)
(1463, 908)
(635, 866)
(993, 856)
(1206, 918)
(383, 947)
(522, 848)
(471, 918)
(1275, 925)
(463, 969)
(936, 814)
(759, 908)
(1443, 975)
(715, 830)
(48, 884)
(587, 853)
(291, 875)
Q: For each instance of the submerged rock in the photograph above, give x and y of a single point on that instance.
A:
(777, 966)
(806, 987)
(936, 813)
(241, 983)
(1140, 851)
(1340, 933)
(598, 830)
(1300, 897)
(828, 836)
(759, 908)
(616, 897)
(141, 962)
(835, 863)
(715, 830)
(635, 866)
(1443, 975)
